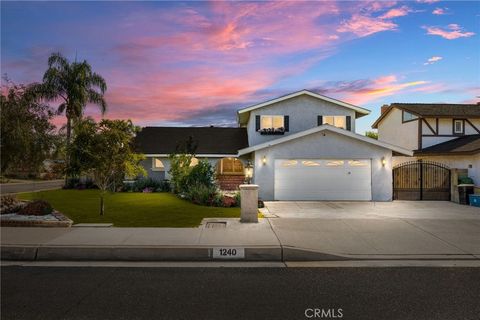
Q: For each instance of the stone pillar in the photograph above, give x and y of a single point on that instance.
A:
(249, 203)
(454, 197)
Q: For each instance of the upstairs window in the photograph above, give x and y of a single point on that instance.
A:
(271, 122)
(458, 126)
(336, 121)
(407, 116)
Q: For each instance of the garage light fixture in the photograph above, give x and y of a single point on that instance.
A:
(264, 160)
(384, 161)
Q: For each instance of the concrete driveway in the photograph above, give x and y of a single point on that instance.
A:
(386, 230)
(370, 210)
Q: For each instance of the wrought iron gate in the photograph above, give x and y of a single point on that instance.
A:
(421, 180)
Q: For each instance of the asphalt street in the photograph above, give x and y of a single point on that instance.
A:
(30, 186)
(239, 293)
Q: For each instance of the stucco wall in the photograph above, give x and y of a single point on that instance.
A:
(326, 145)
(160, 175)
(302, 111)
(445, 127)
(454, 162)
(392, 130)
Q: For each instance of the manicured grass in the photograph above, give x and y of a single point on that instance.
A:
(130, 209)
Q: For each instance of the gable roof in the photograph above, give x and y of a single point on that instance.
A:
(437, 110)
(211, 140)
(463, 145)
(243, 113)
(326, 127)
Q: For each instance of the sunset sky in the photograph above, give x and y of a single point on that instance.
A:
(196, 63)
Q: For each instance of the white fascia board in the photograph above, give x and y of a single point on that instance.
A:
(326, 127)
(164, 155)
(312, 94)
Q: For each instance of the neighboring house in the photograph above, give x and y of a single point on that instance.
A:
(302, 146)
(444, 133)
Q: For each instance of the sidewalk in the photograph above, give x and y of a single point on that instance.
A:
(273, 239)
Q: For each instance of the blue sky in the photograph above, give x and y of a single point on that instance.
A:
(195, 63)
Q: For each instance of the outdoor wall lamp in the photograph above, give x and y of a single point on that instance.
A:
(264, 160)
(248, 172)
(384, 161)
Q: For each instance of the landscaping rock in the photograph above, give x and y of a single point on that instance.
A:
(10, 204)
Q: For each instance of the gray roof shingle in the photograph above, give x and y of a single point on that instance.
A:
(440, 109)
(469, 144)
(210, 140)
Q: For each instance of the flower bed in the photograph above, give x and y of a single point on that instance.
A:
(55, 219)
(37, 213)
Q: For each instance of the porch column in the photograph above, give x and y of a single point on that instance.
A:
(248, 203)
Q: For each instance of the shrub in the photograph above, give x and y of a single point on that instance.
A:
(179, 171)
(36, 208)
(202, 194)
(80, 184)
(203, 173)
(237, 199)
(149, 184)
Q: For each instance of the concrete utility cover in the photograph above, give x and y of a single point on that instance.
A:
(216, 225)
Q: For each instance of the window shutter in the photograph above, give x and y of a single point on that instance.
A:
(349, 123)
(319, 120)
(286, 123)
(257, 123)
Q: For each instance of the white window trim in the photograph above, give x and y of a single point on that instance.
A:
(455, 126)
(272, 116)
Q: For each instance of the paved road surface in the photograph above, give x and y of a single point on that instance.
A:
(30, 186)
(239, 293)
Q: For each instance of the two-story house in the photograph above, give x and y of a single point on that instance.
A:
(302, 146)
(444, 133)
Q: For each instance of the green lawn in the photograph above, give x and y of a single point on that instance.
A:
(130, 209)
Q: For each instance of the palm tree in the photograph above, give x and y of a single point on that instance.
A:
(75, 85)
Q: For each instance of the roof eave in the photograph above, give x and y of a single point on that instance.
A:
(327, 127)
(359, 112)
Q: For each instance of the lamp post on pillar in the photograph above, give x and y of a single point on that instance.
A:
(248, 172)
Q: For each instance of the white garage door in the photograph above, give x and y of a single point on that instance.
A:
(323, 179)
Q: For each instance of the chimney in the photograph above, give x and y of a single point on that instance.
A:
(384, 108)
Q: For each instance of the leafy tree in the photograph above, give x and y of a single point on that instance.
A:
(372, 134)
(179, 170)
(180, 164)
(75, 85)
(105, 151)
(27, 135)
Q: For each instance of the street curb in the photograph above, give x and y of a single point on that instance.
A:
(131, 253)
(301, 254)
(21, 253)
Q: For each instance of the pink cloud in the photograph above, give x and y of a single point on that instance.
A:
(364, 26)
(396, 12)
(452, 31)
(380, 87)
(428, 1)
(439, 11)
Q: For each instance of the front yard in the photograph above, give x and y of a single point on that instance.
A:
(130, 209)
